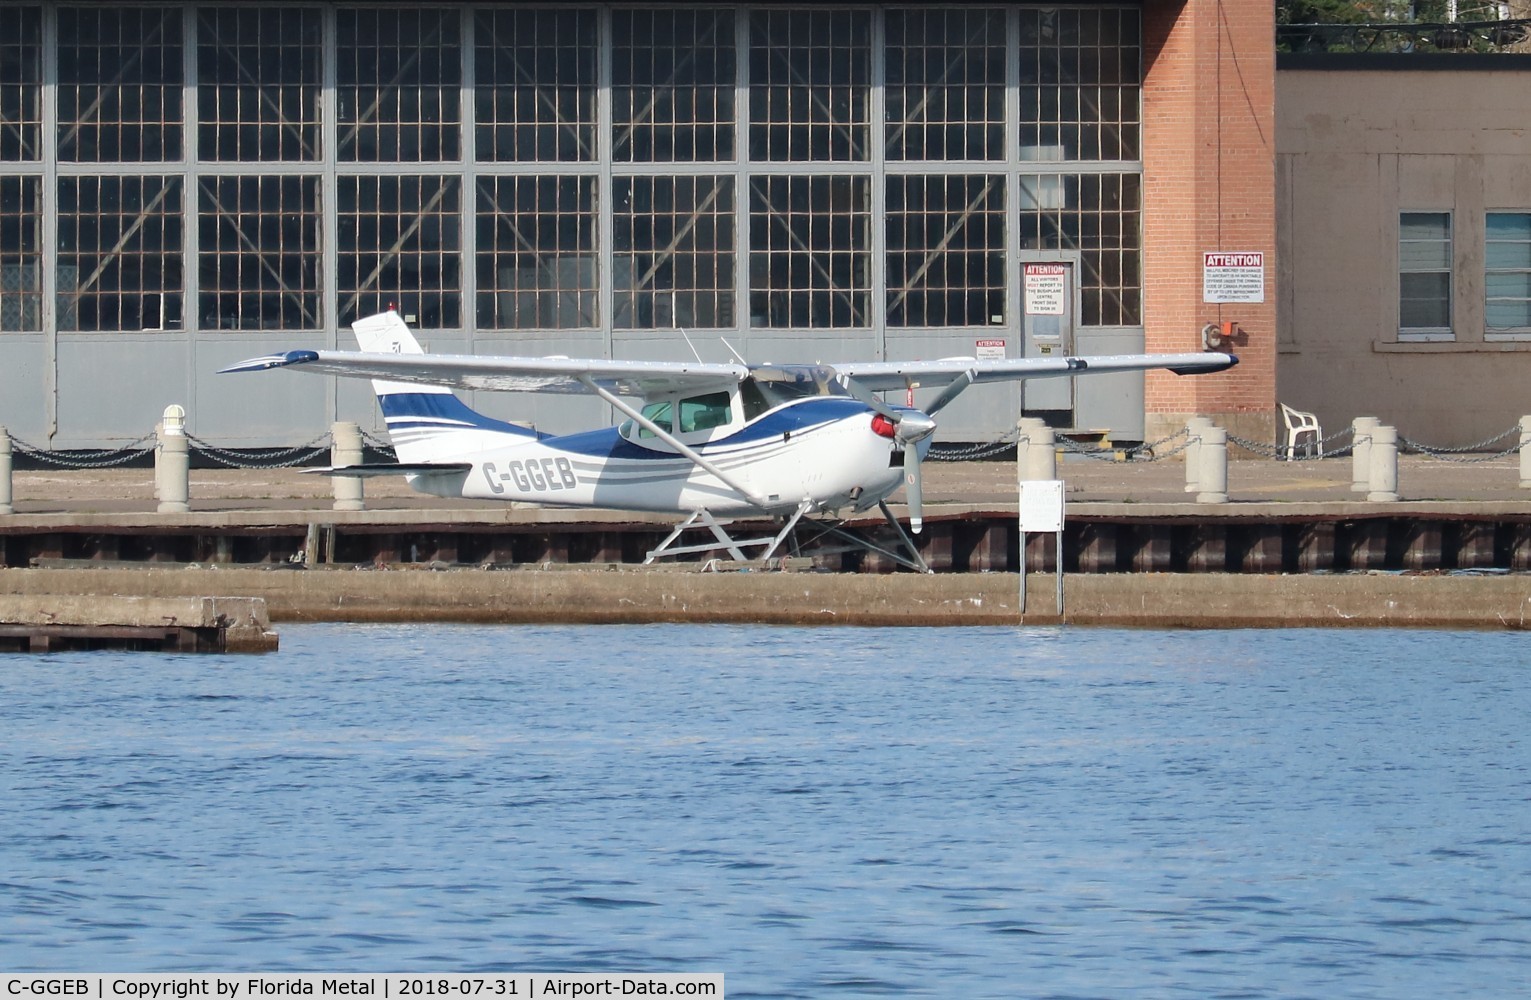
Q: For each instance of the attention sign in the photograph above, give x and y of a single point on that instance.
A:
(1233, 277)
(1046, 289)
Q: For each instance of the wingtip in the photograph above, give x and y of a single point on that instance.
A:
(269, 361)
(1227, 362)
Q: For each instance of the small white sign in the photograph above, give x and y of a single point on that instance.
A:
(1233, 277)
(989, 350)
(1041, 505)
(1046, 289)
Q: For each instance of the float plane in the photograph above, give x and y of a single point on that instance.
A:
(704, 441)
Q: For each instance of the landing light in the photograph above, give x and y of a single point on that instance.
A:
(882, 426)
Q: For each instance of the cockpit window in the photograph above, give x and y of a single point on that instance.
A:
(754, 399)
(783, 383)
(659, 412)
(700, 413)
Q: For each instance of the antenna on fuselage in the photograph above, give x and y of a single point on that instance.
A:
(737, 356)
(694, 352)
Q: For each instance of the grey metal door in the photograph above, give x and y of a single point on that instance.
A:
(1047, 316)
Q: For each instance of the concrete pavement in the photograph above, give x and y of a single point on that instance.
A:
(992, 484)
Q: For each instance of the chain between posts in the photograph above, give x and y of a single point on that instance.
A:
(277, 459)
(1444, 453)
(1145, 452)
(973, 452)
(103, 458)
(378, 445)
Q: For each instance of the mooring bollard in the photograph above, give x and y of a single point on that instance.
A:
(1361, 453)
(1042, 456)
(1195, 428)
(1525, 451)
(1023, 447)
(1212, 465)
(7, 498)
(1384, 464)
(345, 449)
(172, 463)
(1028, 442)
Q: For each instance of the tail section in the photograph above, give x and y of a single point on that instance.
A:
(427, 423)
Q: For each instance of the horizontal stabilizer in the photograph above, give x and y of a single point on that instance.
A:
(394, 469)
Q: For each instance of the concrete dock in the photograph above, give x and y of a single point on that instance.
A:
(63, 616)
(412, 588)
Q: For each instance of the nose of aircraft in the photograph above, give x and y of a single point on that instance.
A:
(914, 427)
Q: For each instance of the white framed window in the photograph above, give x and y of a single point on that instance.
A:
(1507, 276)
(1424, 276)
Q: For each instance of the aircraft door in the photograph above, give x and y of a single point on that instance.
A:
(1048, 295)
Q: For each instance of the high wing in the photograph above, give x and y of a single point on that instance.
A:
(878, 376)
(648, 378)
(510, 374)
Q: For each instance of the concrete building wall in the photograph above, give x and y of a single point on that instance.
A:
(1362, 143)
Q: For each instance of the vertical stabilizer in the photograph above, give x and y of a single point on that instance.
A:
(427, 423)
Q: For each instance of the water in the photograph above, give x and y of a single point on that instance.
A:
(817, 813)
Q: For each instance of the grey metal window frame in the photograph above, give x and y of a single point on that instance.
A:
(877, 167)
(1428, 333)
(1522, 270)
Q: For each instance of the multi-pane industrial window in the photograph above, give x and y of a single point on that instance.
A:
(1080, 83)
(120, 78)
(536, 252)
(810, 258)
(810, 84)
(259, 82)
(535, 84)
(673, 75)
(21, 76)
(1424, 275)
(119, 253)
(258, 253)
(399, 77)
(952, 160)
(20, 253)
(945, 256)
(945, 91)
(399, 245)
(1098, 215)
(1507, 273)
(673, 256)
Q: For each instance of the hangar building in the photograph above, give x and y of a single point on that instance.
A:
(184, 185)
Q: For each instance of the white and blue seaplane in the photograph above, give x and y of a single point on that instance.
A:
(710, 442)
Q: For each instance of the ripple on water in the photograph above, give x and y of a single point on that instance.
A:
(840, 812)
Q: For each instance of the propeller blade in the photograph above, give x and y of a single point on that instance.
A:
(951, 392)
(868, 397)
(914, 492)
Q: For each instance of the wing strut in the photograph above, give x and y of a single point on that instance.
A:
(669, 439)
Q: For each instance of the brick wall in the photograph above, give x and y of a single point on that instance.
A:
(1209, 185)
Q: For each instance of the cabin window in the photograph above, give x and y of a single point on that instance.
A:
(657, 412)
(754, 399)
(703, 413)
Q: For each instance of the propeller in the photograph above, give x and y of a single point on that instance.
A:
(910, 427)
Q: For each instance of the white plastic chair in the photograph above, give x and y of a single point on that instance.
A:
(1299, 423)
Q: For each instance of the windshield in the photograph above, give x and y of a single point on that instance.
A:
(778, 384)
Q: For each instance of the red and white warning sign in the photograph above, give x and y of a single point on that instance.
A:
(1046, 289)
(992, 349)
(1233, 277)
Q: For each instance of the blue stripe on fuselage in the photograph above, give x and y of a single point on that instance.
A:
(793, 418)
(443, 406)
